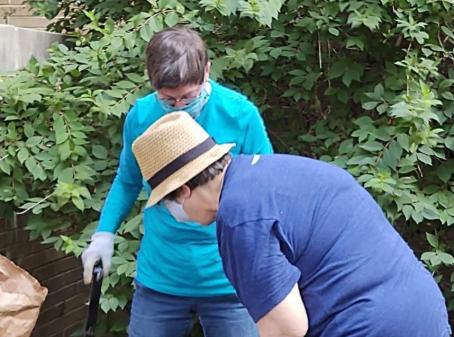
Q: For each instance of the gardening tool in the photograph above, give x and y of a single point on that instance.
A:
(95, 294)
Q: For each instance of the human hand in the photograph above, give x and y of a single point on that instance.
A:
(100, 248)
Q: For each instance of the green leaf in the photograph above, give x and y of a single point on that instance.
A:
(407, 210)
(430, 214)
(5, 167)
(275, 52)
(84, 173)
(65, 175)
(426, 256)
(136, 78)
(369, 105)
(449, 143)
(361, 160)
(446, 258)
(372, 22)
(382, 108)
(171, 19)
(167, 3)
(105, 305)
(60, 130)
(61, 137)
(122, 269)
(372, 146)
(78, 202)
(401, 110)
(116, 93)
(447, 95)
(346, 146)
(417, 217)
(80, 150)
(392, 155)
(227, 7)
(355, 41)
(113, 303)
(353, 72)
(22, 155)
(125, 85)
(338, 69)
(11, 118)
(131, 226)
(333, 31)
(448, 32)
(383, 133)
(363, 121)
(435, 260)
(379, 90)
(31, 164)
(424, 158)
(33, 141)
(308, 138)
(146, 32)
(64, 150)
(426, 150)
(444, 172)
(367, 18)
(404, 141)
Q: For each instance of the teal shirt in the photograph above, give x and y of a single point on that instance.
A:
(181, 258)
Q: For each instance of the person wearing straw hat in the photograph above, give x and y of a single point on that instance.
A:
(179, 270)
(308, 249)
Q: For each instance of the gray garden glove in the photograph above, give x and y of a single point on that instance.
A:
(100, 248)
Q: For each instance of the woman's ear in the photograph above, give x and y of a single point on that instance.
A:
(184, 193)
(207, 70)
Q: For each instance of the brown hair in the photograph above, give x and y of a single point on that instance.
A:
(176, 56)
(203, 177)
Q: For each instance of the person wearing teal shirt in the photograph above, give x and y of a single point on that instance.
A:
(179, 270)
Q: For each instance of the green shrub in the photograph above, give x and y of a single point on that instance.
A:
(364, 84)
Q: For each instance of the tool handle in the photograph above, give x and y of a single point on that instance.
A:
(95, 294)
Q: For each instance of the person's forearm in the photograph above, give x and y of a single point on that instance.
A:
(118, 204)
(266, 332)
(287, 319)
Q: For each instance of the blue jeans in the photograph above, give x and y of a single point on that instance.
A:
(154, 314)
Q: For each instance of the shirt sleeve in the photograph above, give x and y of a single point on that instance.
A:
(255, 265)
(126, 185)
(256, 140)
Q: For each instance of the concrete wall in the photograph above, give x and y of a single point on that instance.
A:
(18, 45)
(14, 12)
(22, 35)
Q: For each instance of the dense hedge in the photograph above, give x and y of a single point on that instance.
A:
(364, 84)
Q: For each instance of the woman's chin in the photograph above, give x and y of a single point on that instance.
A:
(207, 222)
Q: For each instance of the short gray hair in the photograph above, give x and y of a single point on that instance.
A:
(176, 56)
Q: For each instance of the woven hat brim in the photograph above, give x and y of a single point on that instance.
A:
(187, 172)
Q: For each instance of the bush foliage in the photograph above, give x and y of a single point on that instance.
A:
(365, 84)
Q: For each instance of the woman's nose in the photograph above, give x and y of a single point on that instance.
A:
(179, 104)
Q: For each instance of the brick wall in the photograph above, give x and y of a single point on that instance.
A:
(64, 310)
(14, 12)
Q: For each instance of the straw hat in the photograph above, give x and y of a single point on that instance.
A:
(172, 151)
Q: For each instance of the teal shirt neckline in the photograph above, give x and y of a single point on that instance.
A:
(181, 258)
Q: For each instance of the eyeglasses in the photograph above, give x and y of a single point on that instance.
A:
(174, 101)
(185, 100)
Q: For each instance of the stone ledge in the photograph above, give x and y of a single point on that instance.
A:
(28, 21)
(15, 10)
(18, 45)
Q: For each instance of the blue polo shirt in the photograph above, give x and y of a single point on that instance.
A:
(286, 220)
(180, 258)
